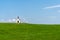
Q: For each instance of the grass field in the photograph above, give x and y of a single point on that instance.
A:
(12, 31)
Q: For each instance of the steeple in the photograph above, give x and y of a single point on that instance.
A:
(18, 20)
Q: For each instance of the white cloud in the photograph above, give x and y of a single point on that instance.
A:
(13, 20)
(9, 20)
(52, 18)
(50, 7)
(58, 11)
(24, 20)
(2, 20)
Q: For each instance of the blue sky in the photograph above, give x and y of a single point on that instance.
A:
(33, 11)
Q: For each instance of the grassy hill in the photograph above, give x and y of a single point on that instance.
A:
(12, 31)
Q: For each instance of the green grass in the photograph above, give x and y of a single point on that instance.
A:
(12, 31)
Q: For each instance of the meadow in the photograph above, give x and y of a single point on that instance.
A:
(24, 31)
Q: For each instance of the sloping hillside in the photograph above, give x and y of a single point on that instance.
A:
(12, 31)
